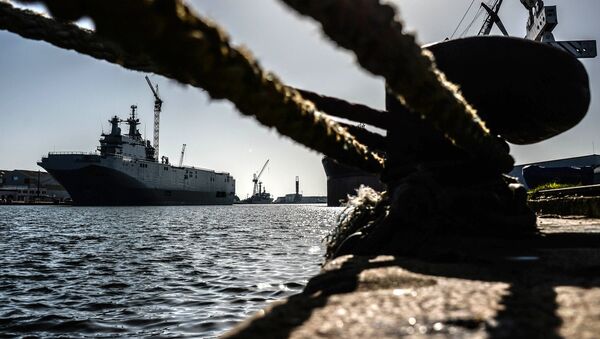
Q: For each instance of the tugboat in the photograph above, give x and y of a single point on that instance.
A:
(259, 198)
(125, 170)
(259, 193)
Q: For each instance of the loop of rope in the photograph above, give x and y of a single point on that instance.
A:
(372, 31)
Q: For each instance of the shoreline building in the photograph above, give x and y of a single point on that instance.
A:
(591, 161)
(25, 186)
(298, 198)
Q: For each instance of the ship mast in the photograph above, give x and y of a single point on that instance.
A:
(133, 121)
(157, 108)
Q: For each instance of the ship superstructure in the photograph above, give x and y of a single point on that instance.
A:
(125, 170)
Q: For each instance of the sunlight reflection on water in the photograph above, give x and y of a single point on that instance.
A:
(152, 271)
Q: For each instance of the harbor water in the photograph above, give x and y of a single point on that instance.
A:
(151, 271)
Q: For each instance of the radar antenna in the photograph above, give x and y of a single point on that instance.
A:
(157, 108)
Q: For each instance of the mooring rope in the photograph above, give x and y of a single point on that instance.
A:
(167, 38)
(69, 36)
(348, 110)
(371, 30)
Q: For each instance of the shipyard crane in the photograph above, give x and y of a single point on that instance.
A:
(542, 22)
(157, 108)
(540, 25)
(533, 6)
(256, 189)
(182, 154)
(492, 18)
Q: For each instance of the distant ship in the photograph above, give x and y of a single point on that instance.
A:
(125, 171)
(258, 198)
(259, 193)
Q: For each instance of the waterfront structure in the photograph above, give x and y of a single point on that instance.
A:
(124, 171)
(592, 160)
(300, 199)
(25, 186)
(297, 198)
(344, 180)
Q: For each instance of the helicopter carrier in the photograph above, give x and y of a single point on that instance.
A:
(125, 170)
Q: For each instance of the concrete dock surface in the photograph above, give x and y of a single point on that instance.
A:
(547, 291)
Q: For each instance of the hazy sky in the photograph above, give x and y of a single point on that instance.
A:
(57, 100)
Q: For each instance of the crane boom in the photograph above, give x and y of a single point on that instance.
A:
(255, 177)
(492, 18)
(157, 109)
(152, 89)
(262, 170)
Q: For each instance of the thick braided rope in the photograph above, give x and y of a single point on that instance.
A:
(165, 37)
(348, 110)
(68, 36)
(371, 30)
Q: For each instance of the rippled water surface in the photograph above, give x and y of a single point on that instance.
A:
(151, 271)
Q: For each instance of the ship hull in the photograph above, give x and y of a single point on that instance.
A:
(258, 198)
(256, 201)
(98, 186)
(343, 181)
(92, 182)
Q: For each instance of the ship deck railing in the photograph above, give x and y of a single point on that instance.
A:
(129, 158)
(73, 153)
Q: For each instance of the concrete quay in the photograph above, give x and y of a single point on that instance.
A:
(493, 288)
